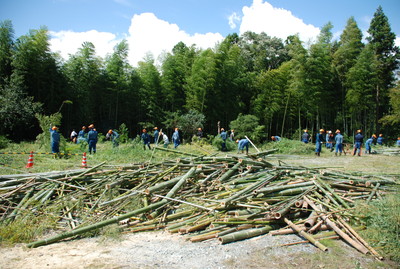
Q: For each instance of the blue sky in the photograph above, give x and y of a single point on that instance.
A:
(156, 25)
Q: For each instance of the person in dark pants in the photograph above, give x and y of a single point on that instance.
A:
(176, 138)
(224, 136)
(358, 141)
(338, 143)
(305, 137)
(92, 139)
(146, 139)
(319, 139)
(156, 135)
(114, 137)
(243, 143)
(380, 140)
(54, 140)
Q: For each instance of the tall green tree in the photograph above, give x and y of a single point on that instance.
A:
(344, 58)
(387, 54)
(362, 79)
(6, 50)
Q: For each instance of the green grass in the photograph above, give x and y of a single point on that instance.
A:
(382, 219)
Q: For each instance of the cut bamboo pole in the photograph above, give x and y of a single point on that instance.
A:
(306, 235)
(241, 235)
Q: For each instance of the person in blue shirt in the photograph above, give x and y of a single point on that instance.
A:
(398, 142)
(156, 135)
(275, 138)
(319, 139)
(54, 140)
(368, 145)
(380, 140)
(305, 137)
(224, 136)
(114, 136)
(146, 139)
(243, 143)
(358, 141)
(338, 143)
(82, 135)
(176, 138)
(92, 139)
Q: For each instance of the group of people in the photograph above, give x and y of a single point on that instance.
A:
(90, 137)
(158, 135)
(335, 142)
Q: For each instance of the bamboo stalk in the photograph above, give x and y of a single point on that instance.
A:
(306, 235)
(241, 235)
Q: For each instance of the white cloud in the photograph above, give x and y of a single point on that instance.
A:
(68, 42)
(233, 19)
(146, 34)
(263, 17)
(397, 41)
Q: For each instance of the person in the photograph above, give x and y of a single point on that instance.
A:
(398, 142)
(199, 134)
(176, 138)
(114, 136)
(165, 139)
(330, 141)
(380, 140)
(92, 139)
(224, 136)
(156, 135)
(243, 143)
(327, 139)
(358, 141)
(305, 137)
(146, 139)
(338, 143)
(275, 138)
(73, 136)
(368, 145)
(54, 140)
(319, 139)
(82, 135)
(232, 135)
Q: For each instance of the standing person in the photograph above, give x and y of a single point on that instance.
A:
(380, 140)
(199, 134)
(319, 139)
(156, 135)
(243, 143)
(275, 138)
(176, 138)
(232, 135)
(165, 139)
(358, 141)
(114, 136)
(73, 136)
(92, 139)
(305, 137)
(224, 136)
(330, 141)
(368, 145)
(327, 139)
(398, 142)
(338, 143)
(81, 135)
(54, 140)
(146, 139)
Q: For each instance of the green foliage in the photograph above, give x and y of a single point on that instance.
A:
(287, 146)
(248, 125)
(123, 133)
(382, 219)
(45, 123)
(217, 143)
(4, 141)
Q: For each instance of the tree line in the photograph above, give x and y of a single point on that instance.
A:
(287, 86)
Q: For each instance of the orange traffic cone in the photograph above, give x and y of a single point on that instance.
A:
(30, 161)
(84, 164)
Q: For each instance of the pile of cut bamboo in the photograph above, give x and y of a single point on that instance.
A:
(228, 198)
